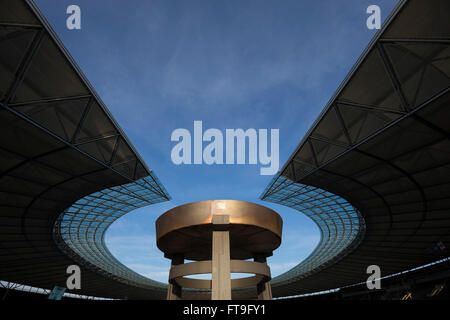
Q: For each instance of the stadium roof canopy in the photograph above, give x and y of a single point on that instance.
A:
(382, 144)
(67, 170)
(372, 172)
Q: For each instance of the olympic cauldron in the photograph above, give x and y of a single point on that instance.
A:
(220, 236)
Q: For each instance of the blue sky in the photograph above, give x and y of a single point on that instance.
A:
(160, 65)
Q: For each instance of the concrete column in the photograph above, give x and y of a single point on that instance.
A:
(221, 279)
(174, 290)
(263, 288)
(264, 291)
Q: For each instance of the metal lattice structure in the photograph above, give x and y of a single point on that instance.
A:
(80, 230)
(20, 287)
(60, 148)
(341, 225)
(373, 170)
(381, 143)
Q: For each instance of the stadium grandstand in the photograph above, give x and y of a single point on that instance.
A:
(380, 144)
(67, 169)
(373, 171)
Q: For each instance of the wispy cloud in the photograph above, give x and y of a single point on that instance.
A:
(278, 267)
(250, 64)
(133, 248)
(139, 253)
(299, 241)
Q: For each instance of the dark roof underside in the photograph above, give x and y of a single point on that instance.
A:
(58, 143)
(383, 144)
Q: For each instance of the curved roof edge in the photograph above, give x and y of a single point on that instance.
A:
(341, 225)
(80, 230)
(381, 143)
(59, 144)
(52, 34)
(347, 79)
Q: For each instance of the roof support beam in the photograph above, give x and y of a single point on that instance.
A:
(34, 46)
(391, 73)
(366, 107)
(390, 125)
(48, 101)
(82, 120)
(418, 40)
(20, 25)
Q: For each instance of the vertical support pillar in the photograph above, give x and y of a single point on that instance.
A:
(174, 290)
(221, 279)
(170, 295)
(264, 291)
(263, 288)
